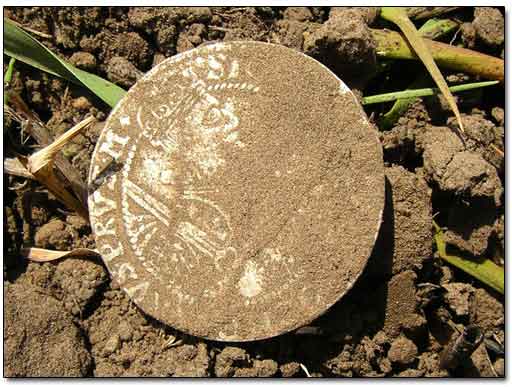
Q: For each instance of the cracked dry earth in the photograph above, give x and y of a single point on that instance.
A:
(68, 318)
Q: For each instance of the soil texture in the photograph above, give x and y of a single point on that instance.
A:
(70, 318)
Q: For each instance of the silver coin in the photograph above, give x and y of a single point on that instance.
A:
(236, 191)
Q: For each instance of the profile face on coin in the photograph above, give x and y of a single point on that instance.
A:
(236, 191)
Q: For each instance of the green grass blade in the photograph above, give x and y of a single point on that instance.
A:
(431, 29)
(436, 28)
(401, 105)
(7, 79)
(20, 45)
(484, 270)
(398, 15)
(8, 73)
(428, 91)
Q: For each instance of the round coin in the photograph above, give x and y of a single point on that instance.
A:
(236, 191)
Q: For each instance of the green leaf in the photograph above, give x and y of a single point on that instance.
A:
(7, 79)
(22, 46)
(398, 15)
(401, 105)
(425, 92)
(436, 28)
(431, 29)
(484, 270)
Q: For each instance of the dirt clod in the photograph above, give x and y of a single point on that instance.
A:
(83, 60)
(487, 312)
(480, 134)
(81, 103)
(227, 362)
(300, 14)
(260, 369)
(77, 282)
(499, 366)
(369, 14)
(289, 370)
(459, 297)
(410, 373)
(125, 331)
(40, 337)
(53, 235)
(289, 33)
(428, 364)
(122, 72)
(489, 25)
(111, 345)
(191, 37)
(468, 33)
(499, 115)
(129, 45)
(441, 145)
(345, 44)
(469, 228)
(412, 221)
(401, 312)
(480, 365)
(468, 173)
(402, 351)
(125, 343)
(244, 24)
(465, 173)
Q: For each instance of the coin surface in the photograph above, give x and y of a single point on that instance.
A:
(236, 191)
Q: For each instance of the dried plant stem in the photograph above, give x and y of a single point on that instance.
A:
(43, 255)
(13, 166)
(398, 15)
(42, 158)
(28, 29)
(305, 370)
(40, 133)
(417, 13)
(431, 29)
(498, 150)
(40, 164)
(393, 45)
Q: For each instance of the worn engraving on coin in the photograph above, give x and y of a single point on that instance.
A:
(217, 191)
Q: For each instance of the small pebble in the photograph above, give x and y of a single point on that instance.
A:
(125, 331)
(459, 297)
(499, 115)
(111, 345)
(81, 104)
(403, 351)
(83, 60)
(289, 370)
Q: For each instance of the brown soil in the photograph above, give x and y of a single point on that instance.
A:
(489, 25)
(69, 318)
(40, 338)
